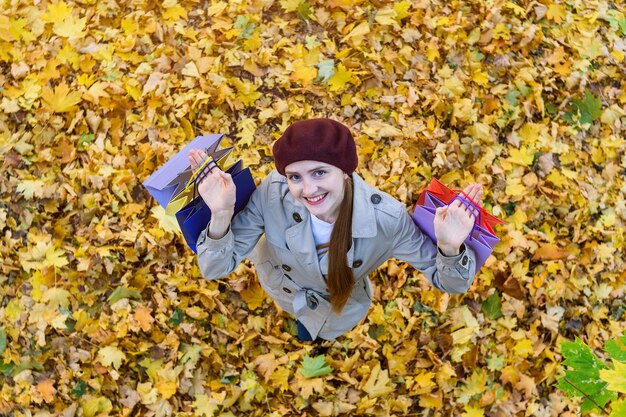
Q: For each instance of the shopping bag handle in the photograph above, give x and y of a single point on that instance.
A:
(473, 208)
(475, 204)
(201, 172)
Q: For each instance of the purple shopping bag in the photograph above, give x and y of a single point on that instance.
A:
(480, 240)
(169, 180)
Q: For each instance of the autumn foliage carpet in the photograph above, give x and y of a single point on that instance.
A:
(103, 309)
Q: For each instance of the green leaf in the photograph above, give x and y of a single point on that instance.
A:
(582, 379)
(312, 368)
(512, 97)
(618, 312)
(26, 365)
(177, 317)
(246, 28)
(291, 327)
(585, 111)
(492, 307)
(85, 139)
(616, 348)
(79, 389)
(304, 10)
(123, 292)
(3, 340)
(6, 369)
(495, 363)
(376, 330)
(325, 70)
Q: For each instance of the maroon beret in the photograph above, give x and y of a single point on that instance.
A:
(323, 140)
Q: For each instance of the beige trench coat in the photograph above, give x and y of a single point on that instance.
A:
(274, 232)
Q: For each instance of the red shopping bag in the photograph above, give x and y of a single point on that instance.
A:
(438, 189)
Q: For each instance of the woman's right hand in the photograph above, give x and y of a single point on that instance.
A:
(217, 189)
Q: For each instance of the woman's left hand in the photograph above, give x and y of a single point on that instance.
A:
(453, 223)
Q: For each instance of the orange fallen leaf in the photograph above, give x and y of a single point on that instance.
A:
(549, 252)
(46, 389)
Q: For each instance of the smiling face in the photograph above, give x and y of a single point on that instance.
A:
(318, 186)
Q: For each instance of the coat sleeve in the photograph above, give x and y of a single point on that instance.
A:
(452, 274)
(219, 257)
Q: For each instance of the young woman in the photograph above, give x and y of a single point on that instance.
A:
(315, 230)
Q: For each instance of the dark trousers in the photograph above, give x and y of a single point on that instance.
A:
(305, 336)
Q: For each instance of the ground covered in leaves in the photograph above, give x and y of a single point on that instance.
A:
(103, 309)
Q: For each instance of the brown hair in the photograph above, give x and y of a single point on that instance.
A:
(340, 276)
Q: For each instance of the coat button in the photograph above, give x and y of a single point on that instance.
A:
(375, 198)
(357, 263)
(464, 261)
(287, 290)
(296, 217)
(287, 268)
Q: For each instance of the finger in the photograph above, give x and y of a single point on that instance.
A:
(210, 170)
(479, 197)
(472, 190)
(468, 189)
(441, 213)
(196, 157)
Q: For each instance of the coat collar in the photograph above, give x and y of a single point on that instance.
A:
(299, 237)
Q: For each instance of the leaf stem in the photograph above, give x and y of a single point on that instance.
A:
(585, 395)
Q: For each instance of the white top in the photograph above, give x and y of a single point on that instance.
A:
(321, 233)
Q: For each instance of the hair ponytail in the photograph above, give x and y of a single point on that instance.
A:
(340, 276)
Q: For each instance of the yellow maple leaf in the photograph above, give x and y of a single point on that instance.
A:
(378, 383)
(253, 296)
(167, 388)
(94, 406)
(95, 92)
(204, 407)
(246, 91)
(303, 74)
(514, 187)
(556, 12)
(57, 12)
(523, 156)
(247, 129)
(56, 297)
(453, 86)
(267, 364)
(191, 70)
(432, 52)
(340, 78)
(31, 188)
(476, 383)
(174, 13)
(480, 77)
(357, 33)
(615, 377)
(402, 9)
(111, 356)
(473, 412)
(523, 348)
(18, 29)
(290, 5)
(61, 100)
(70, 27)
(280, 378)
(167, 222)
(387, 17)
(129, 26)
